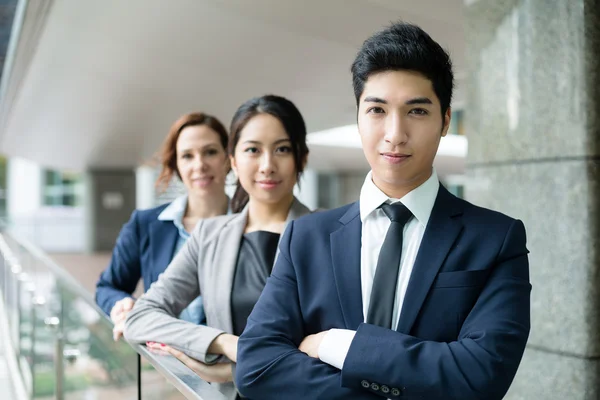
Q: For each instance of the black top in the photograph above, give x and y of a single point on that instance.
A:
(254, 265)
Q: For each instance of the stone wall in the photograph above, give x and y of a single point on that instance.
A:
(533, 124)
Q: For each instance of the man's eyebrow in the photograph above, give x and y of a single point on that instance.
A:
(416, 100)
(373, 99)
(419, 100)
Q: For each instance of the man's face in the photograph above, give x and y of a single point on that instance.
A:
(400, 125)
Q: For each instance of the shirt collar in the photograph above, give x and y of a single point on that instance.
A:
(419, 201)
(175, 210)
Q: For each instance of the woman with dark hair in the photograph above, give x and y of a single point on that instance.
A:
(195, 151)
(228, 258)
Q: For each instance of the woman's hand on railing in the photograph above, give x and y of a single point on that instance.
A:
(218, 373)
(118, 314)
(225, 344)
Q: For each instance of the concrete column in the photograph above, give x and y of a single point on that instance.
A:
(110, 200)
(533, 120)
(24, 188)
(308, 189)
(145, 177)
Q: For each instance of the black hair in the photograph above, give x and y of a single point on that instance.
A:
(404, 46)
(291, 119)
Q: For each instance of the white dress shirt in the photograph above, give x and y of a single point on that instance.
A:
(336, 343)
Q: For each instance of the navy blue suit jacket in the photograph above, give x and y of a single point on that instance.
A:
(144, 249)
(462, 330)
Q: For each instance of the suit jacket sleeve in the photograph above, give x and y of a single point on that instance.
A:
(153, 317)
(480, 364)
(270, 366)
(120, 279)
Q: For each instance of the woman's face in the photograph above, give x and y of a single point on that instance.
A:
(263, 160)
(201, 161)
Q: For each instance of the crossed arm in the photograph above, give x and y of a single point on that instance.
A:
(479, 365)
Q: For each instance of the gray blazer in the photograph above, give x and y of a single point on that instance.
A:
(204, 265)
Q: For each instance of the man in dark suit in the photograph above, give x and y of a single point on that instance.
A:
(408, 293)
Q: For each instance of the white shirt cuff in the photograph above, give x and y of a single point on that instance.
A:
(334, 347)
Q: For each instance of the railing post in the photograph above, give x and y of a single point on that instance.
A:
(139, 376)
(16, 269)
(59, 365)
(24, 285)
(29, 287)
(36, 301)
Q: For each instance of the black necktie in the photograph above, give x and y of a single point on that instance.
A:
(383, 292)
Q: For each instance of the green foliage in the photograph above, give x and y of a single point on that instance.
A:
(45, 383)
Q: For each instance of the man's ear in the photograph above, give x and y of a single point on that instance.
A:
(447, 118)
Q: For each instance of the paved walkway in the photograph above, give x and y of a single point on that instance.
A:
(86, 268)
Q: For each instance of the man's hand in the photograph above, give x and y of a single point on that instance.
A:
(225, 344)
(219, 373)
(310, 344)
(118, 314)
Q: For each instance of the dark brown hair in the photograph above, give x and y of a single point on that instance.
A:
(168, 152)
(404, 46)
(291, 119)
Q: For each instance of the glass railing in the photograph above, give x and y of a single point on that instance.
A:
(59, 344)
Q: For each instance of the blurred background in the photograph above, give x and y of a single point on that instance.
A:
(89, 90)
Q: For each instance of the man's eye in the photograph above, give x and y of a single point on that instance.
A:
(375, 110)
(419, 111)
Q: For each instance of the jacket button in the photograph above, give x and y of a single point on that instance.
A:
(395, 392)
(365, 384)
(374, 386)
(385, 389)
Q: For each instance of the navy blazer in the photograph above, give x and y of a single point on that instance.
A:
(462, 330)
(144, 249)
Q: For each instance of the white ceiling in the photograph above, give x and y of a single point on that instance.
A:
(98, 83)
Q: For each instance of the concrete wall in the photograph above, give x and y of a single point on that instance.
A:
(533, 126)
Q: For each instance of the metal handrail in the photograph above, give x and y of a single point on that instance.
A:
(180, 376)
(185, 380)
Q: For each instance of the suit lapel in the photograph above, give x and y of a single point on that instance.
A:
(345, 253)
(225, 261)
(163, 239)
(440, 234)
(224, 264)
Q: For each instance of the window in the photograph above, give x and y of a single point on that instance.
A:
(62, 188)
(457, 123)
